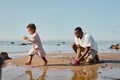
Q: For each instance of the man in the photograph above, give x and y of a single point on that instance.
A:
(85, 47)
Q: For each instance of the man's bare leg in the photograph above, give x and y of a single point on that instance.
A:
(74, 47)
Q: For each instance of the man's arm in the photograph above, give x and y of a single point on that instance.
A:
(84, 53)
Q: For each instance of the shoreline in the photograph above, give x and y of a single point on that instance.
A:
(60, 63)
(62, 59)
(25, 53)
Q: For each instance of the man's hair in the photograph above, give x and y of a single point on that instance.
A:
(32, 26)
(78, 29)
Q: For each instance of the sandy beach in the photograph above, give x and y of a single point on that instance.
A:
(59, 68)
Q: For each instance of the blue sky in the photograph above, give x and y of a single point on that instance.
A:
(56, 19)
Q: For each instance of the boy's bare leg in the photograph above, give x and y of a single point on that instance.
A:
(29, 60)
(45, 60)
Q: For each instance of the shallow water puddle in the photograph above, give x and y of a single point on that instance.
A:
(109, 73)
(12, 72)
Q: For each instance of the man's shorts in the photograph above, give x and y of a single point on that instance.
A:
(91, 54)
(40, 52)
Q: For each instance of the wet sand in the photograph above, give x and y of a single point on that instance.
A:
(59, 68)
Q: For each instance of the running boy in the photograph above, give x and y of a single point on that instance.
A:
(36, 44)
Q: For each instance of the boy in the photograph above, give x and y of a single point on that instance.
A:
(36, 44)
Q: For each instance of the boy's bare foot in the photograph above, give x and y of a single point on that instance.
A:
(27, 63)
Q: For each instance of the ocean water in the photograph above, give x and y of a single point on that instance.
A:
(13, 47)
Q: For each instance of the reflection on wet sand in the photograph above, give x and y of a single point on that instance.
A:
(77, 73)
(84, 73)
(42, 77)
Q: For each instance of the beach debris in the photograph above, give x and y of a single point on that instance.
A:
(99, 72)
(58, 44)
(104, 66)
(4, 55)
(25, 44)
(12, 42)
(64, 42)
(29, 43)
(116, 46)
(111, 67)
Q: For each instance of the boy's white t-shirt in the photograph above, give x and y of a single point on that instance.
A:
(87, 40)
(36, 46)
(36, 42)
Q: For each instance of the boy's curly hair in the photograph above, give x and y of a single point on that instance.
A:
(32, 26)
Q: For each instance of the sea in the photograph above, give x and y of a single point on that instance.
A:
(21, 48)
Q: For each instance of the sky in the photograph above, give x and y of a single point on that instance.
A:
(57, 19)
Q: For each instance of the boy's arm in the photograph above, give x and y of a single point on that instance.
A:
(27, 39)
(84, 53)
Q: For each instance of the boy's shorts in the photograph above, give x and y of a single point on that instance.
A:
(40, 52)
(91, 54)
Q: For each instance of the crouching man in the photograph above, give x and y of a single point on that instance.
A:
(84, 46)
